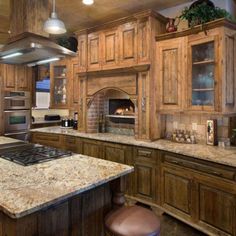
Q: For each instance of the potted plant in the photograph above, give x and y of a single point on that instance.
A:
(203, 11)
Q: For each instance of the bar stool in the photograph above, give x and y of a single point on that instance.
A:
(132, 221)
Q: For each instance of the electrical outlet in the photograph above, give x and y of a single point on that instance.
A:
(194, 126)
(175, 125)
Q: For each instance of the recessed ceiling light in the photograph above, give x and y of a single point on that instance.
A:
(88, 2)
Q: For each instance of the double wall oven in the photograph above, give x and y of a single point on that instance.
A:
(17, 114)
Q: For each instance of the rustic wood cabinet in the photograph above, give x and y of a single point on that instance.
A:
(82, 53)
(59, 84)
(171, 73)
(200, 63)
(94, 51)
(17, 78)
(201, 193)
(128, 43)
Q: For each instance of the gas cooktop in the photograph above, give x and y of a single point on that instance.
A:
(29, 154)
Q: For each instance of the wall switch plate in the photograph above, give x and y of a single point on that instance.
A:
(194, 126)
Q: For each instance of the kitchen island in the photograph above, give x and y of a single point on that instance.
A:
(67, 196)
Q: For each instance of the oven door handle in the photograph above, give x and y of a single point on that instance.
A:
(11, 111)
(16, 98)
(21, 132)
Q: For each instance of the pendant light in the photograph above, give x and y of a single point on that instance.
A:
(53, 25)
(88, 2)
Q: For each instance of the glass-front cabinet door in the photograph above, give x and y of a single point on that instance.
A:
(203, 74)
(59, 93)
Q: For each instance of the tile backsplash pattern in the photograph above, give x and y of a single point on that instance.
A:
(196, 123)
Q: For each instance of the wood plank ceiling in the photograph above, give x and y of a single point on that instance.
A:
(78, 16)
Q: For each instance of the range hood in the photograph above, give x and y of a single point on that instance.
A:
(31, 49)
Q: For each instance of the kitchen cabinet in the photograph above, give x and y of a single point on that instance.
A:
(203, 75)
(94, 51)
(82, 53)
(171, 73)
(47, 139)
(144, 40)
(145, 174)
(198, 192)
(59, 84)
(176, 191)
(92, 148)
(195, 69)
(17, 77)
(217, 208)
(128, 43)
(74, 82)
(110, 53)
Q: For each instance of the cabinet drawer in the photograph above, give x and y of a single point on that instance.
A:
(145, 154)
(198, 165)
(47, 139)
(70, 140)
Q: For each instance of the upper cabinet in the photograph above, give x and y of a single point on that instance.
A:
(17, 77)
(171, 73)
(119, 44)
(94, 51)
(110, 48)
(195, 71)
(203, 72)
(128, 43)
(59, 84)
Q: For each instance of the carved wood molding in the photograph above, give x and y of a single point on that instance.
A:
(134, 17)
(197, 29)
(123, 70)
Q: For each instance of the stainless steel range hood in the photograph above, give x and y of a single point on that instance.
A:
(29, 48)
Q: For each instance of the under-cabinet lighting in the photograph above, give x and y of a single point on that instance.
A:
(16, 54)
(88, 2)
(44, 61)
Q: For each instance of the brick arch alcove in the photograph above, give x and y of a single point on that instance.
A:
(98, 112)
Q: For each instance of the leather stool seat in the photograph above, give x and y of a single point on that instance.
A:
(133, 221)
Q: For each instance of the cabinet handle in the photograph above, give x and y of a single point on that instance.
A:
(174, 162)
(144, 153)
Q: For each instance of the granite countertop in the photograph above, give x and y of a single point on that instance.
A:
(6, 140)
(27, 189)
(225, 156)
(45, 121)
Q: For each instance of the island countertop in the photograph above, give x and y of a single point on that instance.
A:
(27, 189)
(225, 156)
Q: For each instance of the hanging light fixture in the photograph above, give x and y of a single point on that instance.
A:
(53, 25)
(88, 2)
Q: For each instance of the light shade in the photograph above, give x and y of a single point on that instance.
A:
(88, 2)
(54, 26)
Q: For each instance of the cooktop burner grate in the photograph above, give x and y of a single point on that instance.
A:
(32, 154)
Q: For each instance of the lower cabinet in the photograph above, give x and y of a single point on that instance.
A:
(176, 191)
(92, 148)
(145, 181)
(198, 192)
(217, 208)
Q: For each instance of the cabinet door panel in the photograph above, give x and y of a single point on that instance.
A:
(115, 154)
(128, 44)
(24, 78)
(75, 84)
(82, 53)
(92, 149)
(217, 208)
(143, 41)
(9, 77)
(176, 192)
(110, 52)
(94, 51)
(145, 181)
(171, 73)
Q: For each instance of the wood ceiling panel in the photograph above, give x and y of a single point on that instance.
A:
(78, 16)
